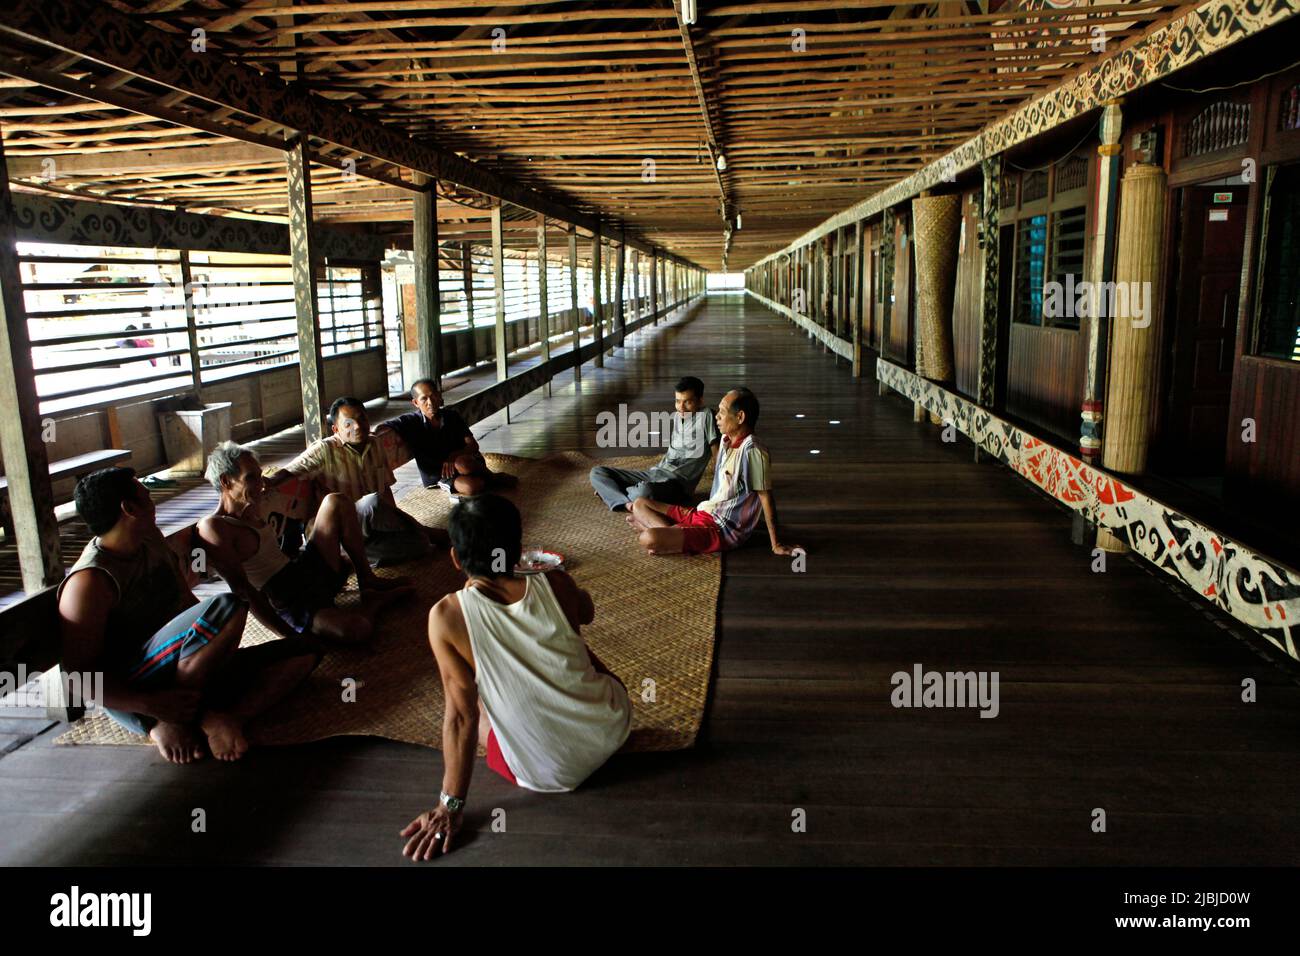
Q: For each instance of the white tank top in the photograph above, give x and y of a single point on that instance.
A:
(555, 717)
(268, 560)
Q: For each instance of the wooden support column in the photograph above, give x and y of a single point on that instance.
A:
(1130, 397)
(654, 288)
(858, 295)
(191, 324)
(989, 239)
(499, 290)
(888, 244)
(637, 308)
(306, 261)
(27, 466)
(597, 305)
(620, 313)
(467, 278)
(573, 298)
(988, 236)
(543, 305)
(1101, 268)
(428, 304)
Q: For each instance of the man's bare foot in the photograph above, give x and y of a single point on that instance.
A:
(375, 583)
(225, 736)
(176, 742)
(376, 601)
(634, 523)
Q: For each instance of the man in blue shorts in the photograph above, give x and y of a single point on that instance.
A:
(172, 664)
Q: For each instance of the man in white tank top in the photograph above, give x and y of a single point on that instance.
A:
(517, 676)
(291, 596)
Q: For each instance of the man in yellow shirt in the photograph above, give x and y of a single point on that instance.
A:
(353, 464)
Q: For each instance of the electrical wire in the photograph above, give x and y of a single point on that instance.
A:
(1219, 89)
(1035, 169)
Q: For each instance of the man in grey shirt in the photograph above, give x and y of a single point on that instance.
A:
(673, 480)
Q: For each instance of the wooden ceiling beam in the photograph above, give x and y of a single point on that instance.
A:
(83, 28)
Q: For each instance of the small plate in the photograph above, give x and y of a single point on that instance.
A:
(539, 561)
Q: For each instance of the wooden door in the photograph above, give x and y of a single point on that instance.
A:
(1210, 247)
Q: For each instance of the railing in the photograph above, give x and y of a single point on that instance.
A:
(117, 323)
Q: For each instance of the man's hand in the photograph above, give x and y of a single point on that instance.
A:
(449, 469)
(177, 705)
(786, 549)
(431, 833)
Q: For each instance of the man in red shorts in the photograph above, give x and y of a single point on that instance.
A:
(741, 492)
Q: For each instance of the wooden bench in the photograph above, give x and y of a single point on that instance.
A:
(73, 467)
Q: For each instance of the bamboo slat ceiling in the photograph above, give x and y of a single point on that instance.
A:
(618, 108)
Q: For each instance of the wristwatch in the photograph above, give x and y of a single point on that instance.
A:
(454, 804)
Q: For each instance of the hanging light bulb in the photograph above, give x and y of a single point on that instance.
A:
(737, 220)
(722, 162)
(688, 11)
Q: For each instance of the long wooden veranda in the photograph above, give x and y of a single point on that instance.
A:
(1116, 692)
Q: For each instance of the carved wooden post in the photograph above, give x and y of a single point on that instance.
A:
(306, 260)
(1100, 269)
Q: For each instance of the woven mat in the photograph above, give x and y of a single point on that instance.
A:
(655, 621)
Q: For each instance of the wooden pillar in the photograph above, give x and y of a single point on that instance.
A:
(1100, 270)
(543, 304)
(467, 277)
(858, 293)
(428, 304)
(597, 304)
(989, 237)
(191, 323)
(573, 298)
(888, 245)
(306, 261)
(654, 287)
(499, 289)
(1131, 394)
(620, 316)
(637, 308)
(27, 466)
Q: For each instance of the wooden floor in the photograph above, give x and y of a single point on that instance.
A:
(1115, 692)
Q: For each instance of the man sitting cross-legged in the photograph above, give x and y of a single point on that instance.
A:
(517, 676)
(690, 445)
(351, 463)
(289, 596)
(172, 664)
(741, 491)
(442, 445)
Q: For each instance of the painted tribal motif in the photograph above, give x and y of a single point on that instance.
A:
(1260, 593)
(82, 222)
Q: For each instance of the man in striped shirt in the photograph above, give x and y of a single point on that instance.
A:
(741, 492)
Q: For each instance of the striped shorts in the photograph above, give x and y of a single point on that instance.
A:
(183, 635)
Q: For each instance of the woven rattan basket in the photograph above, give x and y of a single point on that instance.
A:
(936, 220)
